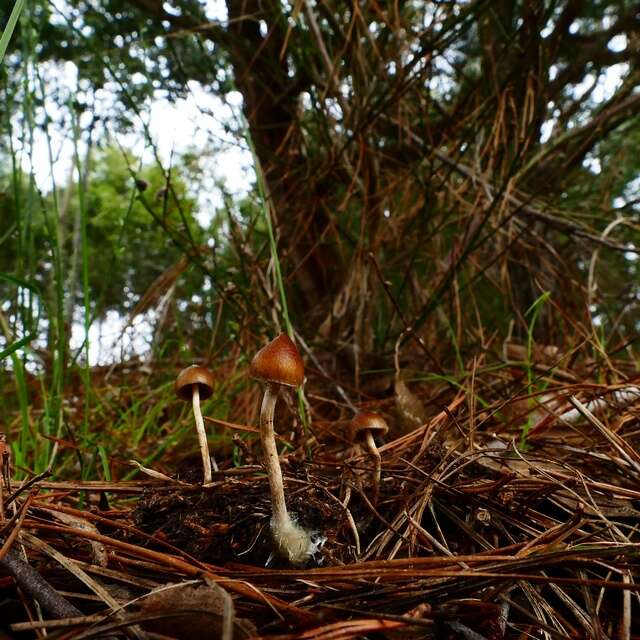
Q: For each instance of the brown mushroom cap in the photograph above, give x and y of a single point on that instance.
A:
(279, 362)
(194, 375)
(367, 421)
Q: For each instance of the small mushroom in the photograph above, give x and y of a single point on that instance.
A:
(194, 383)
(279, 364)
(363, 426)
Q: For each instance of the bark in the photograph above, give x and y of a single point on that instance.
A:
(32, 583)
(270, 88)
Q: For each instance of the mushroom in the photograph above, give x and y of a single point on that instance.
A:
(194, 383)
(279, 364)
(363, 425)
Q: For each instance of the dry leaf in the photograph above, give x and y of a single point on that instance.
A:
(208, 613)
(410, 409)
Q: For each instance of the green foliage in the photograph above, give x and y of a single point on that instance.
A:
(129, 232)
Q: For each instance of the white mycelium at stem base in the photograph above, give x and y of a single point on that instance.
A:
(279, 364)
(292, 541)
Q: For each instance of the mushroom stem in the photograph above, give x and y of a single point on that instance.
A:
(292, 541)
(271, 461)
(202, 434)
(377, 459)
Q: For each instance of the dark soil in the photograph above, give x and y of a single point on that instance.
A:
(229, 521)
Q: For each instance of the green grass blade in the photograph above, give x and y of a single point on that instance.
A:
(266, 210)
(532, 312)
(19, 282)
(14, 346)
(11, 25)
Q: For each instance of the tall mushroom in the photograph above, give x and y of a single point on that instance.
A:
(279, 364)
(363, 425)
(195, 383)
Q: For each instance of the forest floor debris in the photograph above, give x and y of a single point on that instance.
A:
(472, 536)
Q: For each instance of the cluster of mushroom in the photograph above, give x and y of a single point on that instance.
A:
(278, 365)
